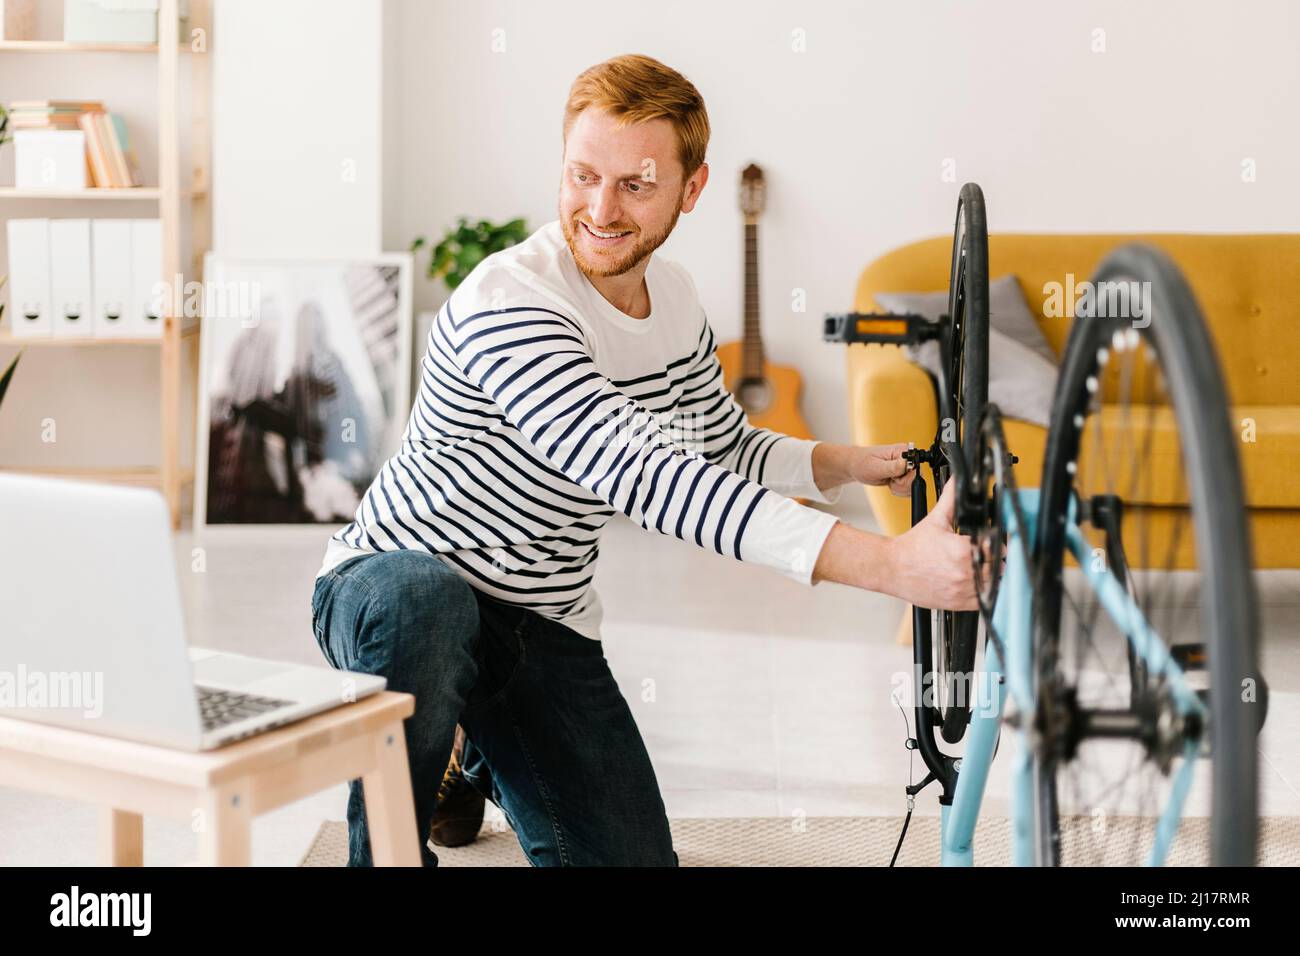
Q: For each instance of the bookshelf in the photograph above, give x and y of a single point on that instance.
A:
(138, 193)
(13, 341)
(169, 474)
(65, 46)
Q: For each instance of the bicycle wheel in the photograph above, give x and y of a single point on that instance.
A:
(1140, 444)
(963, 394)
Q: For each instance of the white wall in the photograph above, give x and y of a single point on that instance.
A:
(296, 139)
(1148, 135)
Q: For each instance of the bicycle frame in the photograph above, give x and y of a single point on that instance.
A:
(1012, 621)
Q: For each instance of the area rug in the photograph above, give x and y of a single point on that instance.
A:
(860, 841)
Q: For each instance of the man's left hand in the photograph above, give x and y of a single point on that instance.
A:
(884, 465)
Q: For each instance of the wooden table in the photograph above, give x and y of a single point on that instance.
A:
(219, 792)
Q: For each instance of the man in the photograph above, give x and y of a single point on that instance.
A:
(568, 377)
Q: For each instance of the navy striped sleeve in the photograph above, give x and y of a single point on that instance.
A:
(535, 364)
(719, 430)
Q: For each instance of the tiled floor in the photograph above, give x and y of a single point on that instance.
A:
(756, 696)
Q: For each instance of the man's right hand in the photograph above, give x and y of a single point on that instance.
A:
(929, 565)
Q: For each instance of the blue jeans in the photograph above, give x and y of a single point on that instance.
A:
(551, 741)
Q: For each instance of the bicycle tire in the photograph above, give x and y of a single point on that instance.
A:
(1177, 336)
(963, 396)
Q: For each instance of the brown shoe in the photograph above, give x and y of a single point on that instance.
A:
(458, 816)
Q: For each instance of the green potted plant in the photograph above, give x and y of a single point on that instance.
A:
(466, 245)
(9, 374)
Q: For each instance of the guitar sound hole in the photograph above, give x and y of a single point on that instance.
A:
(754, 395)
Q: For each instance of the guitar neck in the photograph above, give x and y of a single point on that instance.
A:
(752, 355)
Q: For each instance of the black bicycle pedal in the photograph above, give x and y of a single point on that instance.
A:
(1189, 657)
(879, 328)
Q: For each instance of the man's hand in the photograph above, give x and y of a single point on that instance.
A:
(884, 465)
(929, 565)
(835, 465)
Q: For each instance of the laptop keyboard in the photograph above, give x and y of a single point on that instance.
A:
(220, 707)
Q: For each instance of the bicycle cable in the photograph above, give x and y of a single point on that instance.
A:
(911, 763)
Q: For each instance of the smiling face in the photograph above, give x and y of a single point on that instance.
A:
(621, 191)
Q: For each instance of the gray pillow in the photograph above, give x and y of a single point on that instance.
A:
(1022, 367)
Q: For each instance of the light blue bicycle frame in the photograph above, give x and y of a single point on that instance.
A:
(1011, 620)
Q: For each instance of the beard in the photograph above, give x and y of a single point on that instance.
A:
(624, 261)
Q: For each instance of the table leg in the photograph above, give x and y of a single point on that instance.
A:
(121, 837)
(224, 824)
(390, 806)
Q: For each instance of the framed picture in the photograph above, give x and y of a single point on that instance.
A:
(304, 387)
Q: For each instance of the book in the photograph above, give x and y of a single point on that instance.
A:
(43, 121)
(95, 151)
(80, 106)
(49, 114)
(133, 177)
(116, 157)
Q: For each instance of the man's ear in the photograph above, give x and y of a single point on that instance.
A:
(694, 186)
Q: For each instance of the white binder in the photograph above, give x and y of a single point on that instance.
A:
(146, 273)
(73, 310)
(111, 267)
(29, 312)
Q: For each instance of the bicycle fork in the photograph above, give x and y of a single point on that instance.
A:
(1007, 690)
(961, 779)
(990, 688)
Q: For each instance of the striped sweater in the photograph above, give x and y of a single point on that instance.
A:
(543, 409)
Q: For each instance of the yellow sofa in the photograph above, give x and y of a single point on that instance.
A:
(1248, 287)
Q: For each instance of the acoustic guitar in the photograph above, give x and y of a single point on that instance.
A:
(768, 393)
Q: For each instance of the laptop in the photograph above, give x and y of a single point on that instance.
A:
(92, 635)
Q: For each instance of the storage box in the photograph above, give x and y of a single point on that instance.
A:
(52, 159)
(29, 312)
(17, 19)
(146, 317)
(110, 21)
(72, 306)
(111, 289)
